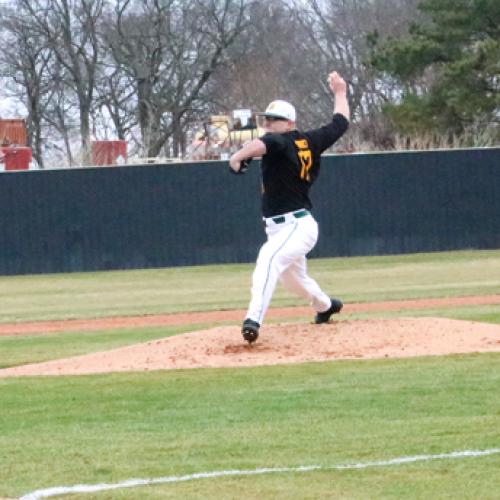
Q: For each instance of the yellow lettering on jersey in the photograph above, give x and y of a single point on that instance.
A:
(301, 143)
(305, 157)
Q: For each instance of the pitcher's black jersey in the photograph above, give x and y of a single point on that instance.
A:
(292, 163)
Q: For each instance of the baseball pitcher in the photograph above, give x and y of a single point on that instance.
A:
(290, 165)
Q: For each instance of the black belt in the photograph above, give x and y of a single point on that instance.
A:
(298, 214)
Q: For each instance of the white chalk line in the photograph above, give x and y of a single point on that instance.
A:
(131, 483)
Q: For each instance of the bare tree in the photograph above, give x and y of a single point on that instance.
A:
(170, 50)
(115, 102)
(292, 46)
(262, 61)
(61, 117)
(28, 66)
(145, 70)
(338, 34)
(70, 30)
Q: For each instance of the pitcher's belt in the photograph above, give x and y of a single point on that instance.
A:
(279, 219)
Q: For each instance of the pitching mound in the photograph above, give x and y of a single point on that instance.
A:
(284, 343)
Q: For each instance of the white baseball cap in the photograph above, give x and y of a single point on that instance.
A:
(280, 109)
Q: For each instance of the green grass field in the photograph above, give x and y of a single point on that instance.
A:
(204, 288)
(62, 431)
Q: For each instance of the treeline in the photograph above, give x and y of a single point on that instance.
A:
(150, 71)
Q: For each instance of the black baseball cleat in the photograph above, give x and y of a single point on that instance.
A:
(250, 330)
(324, 317)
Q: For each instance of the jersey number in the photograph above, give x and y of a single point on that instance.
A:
(305, 157)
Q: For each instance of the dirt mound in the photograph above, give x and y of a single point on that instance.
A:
(283, 343)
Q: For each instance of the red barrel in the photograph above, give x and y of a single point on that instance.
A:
(16, 158)
(109, 152)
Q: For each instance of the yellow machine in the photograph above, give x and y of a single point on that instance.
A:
(222, 135)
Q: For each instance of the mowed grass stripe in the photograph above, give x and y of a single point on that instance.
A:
(209, 288)
(19, 350)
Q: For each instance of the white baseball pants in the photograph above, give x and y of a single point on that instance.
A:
(283, 258)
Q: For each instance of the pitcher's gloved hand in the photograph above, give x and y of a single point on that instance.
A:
(243, 167)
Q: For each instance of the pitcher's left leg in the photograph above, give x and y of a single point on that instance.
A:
(296, 280)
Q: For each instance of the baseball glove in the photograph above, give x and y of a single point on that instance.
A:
(243, 167)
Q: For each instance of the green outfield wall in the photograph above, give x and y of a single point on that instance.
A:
(146, 216)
